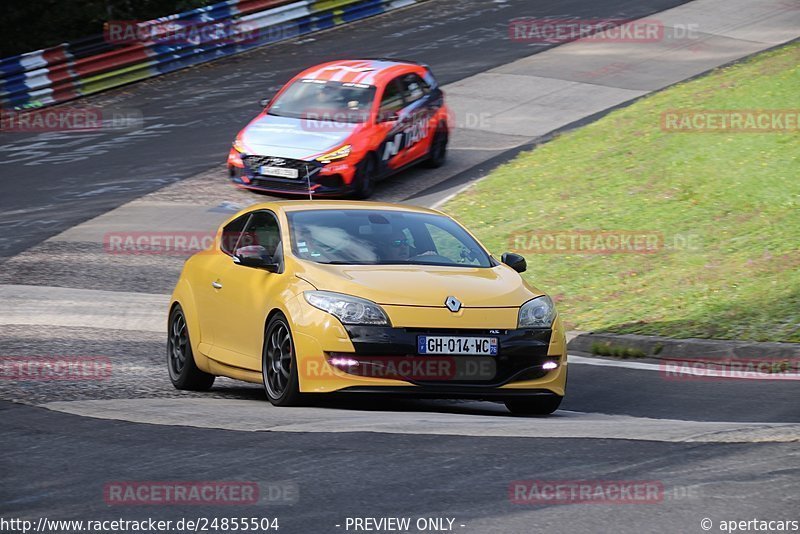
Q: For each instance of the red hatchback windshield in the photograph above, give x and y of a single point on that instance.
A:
(326, 101)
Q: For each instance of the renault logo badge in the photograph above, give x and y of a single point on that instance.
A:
(453, 304)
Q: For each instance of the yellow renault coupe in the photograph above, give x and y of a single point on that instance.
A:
(311, 297)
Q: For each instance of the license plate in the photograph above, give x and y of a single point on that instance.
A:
(484, 346)
(282, 172)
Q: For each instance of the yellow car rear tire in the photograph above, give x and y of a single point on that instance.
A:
(183, 372)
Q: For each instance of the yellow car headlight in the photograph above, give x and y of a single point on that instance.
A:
(537, 313)
(347, 308)
(238, 146)
(339, 153)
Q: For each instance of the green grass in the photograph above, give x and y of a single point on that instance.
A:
(617, 351)
(736, 194)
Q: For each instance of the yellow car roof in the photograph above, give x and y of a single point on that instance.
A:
(298, 205)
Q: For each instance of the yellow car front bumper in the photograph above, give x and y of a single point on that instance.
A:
(319, 337)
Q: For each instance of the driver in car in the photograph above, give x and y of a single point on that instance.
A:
(397, 248)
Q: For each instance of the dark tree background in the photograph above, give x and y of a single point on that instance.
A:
(27, 25)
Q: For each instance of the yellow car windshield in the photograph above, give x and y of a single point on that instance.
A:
(382, 237)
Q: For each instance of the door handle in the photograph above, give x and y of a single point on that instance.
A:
(216, 285)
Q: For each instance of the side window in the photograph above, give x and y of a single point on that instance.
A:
(413, 88)
(392, 100)
(261, 237)
(231, 234)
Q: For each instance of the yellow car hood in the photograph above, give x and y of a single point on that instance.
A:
(422, 285)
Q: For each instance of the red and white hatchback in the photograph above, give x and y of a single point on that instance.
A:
(337, 128)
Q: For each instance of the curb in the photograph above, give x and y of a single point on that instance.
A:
(665, 348)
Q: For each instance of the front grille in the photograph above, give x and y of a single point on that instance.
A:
(254, 164)
(281, 184)
(521, 352)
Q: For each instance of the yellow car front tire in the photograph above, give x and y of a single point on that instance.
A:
(279, 363)
(538, 405)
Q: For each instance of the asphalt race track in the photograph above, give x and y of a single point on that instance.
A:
(192, 116)
(717, 449)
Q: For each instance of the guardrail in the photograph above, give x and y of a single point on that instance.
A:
(94, 64)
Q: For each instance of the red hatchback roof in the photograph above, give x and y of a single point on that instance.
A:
(367, 71)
